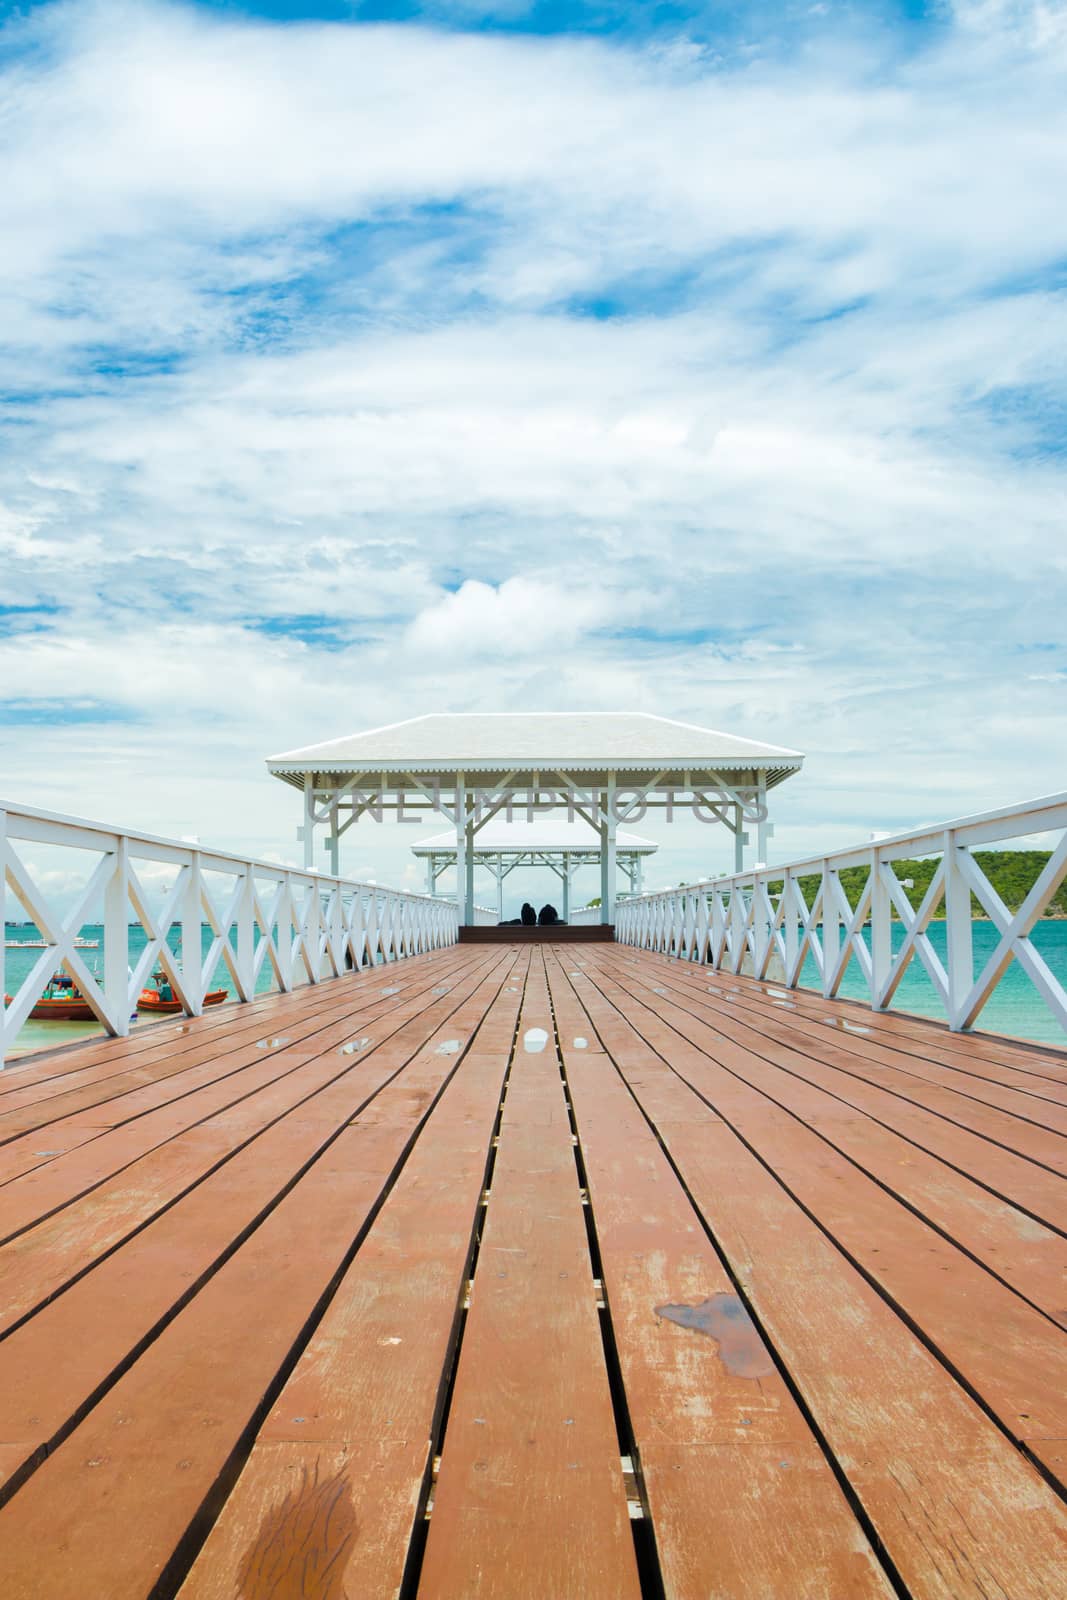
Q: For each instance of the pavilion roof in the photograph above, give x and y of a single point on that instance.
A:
(571, 741)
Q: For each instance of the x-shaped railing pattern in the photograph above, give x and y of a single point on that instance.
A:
(304, 926)
(763, 924)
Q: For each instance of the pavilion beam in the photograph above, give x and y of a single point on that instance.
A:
(584, 811)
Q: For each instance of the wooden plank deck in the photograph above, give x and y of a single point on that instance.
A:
(531, 1269)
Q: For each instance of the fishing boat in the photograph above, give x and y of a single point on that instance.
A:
(162, 1001)
(62, 1001)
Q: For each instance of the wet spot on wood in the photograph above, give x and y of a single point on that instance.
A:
(353, 1046)
(534, 1041)
(581, 1044)
(303, 1544)
(448, 1047)
(724, 1318)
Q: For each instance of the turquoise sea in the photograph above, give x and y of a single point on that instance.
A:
(1015, 1008)
(46, 1035)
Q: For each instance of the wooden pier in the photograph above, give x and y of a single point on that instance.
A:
(535, 1272)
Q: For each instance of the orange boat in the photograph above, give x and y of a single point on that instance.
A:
(163, 1002)
(62, 1001)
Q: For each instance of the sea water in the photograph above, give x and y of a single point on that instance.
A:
(46, 1035)
(1015, 1007)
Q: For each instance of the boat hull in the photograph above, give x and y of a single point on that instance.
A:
(63, 1010)
(150, 1002)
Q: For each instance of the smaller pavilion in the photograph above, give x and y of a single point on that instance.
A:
(563, 847)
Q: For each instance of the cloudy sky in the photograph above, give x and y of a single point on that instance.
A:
(361, 360)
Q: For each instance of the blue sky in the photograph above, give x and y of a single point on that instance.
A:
(358, 361)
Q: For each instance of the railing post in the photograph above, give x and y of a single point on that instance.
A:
(192, 937)
(246, 938)
(117, 940)
(791, 927)
(881, 932)
(284, 934)
(959, 934)
(831, 929)
(337, 929)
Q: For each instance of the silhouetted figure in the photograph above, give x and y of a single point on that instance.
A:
(549, 917)
(529, 915)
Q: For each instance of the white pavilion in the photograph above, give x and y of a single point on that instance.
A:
(603, 768)
(561, 846)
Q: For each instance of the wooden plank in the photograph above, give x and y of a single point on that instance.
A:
(1011, 1355)
(105, 1049)
(1017, 1179)
(31, 1108)
(52, 1364)
(108, 1509)
(61, 1178)
(530, 1499)
(872, 1065)
(882, 1059)
(961, 1512)
(744, 1504)
(1040, 1069)
(352, 1430)
(37, 1263)
(1005, 1239)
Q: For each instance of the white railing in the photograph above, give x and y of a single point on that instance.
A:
(761, 922)
(309, 927)
(583, 916)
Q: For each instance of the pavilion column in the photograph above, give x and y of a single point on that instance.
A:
(500, 888)
(430, 884)
(739, 840)
(333, 843)
(566, 886)
(608, 853)
(307, 832)
(461, 848)
(468, 888)
(763, 827)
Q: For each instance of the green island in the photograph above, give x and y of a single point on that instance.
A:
(1012, 874)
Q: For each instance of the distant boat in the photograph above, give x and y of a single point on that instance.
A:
(45, 944)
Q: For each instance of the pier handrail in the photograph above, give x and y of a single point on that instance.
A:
(758, 920)
(296, 919)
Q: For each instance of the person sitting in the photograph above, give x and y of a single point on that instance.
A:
(549, 917)
(529, 915)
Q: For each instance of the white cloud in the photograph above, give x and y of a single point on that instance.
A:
(523, 617)
(299, 314)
